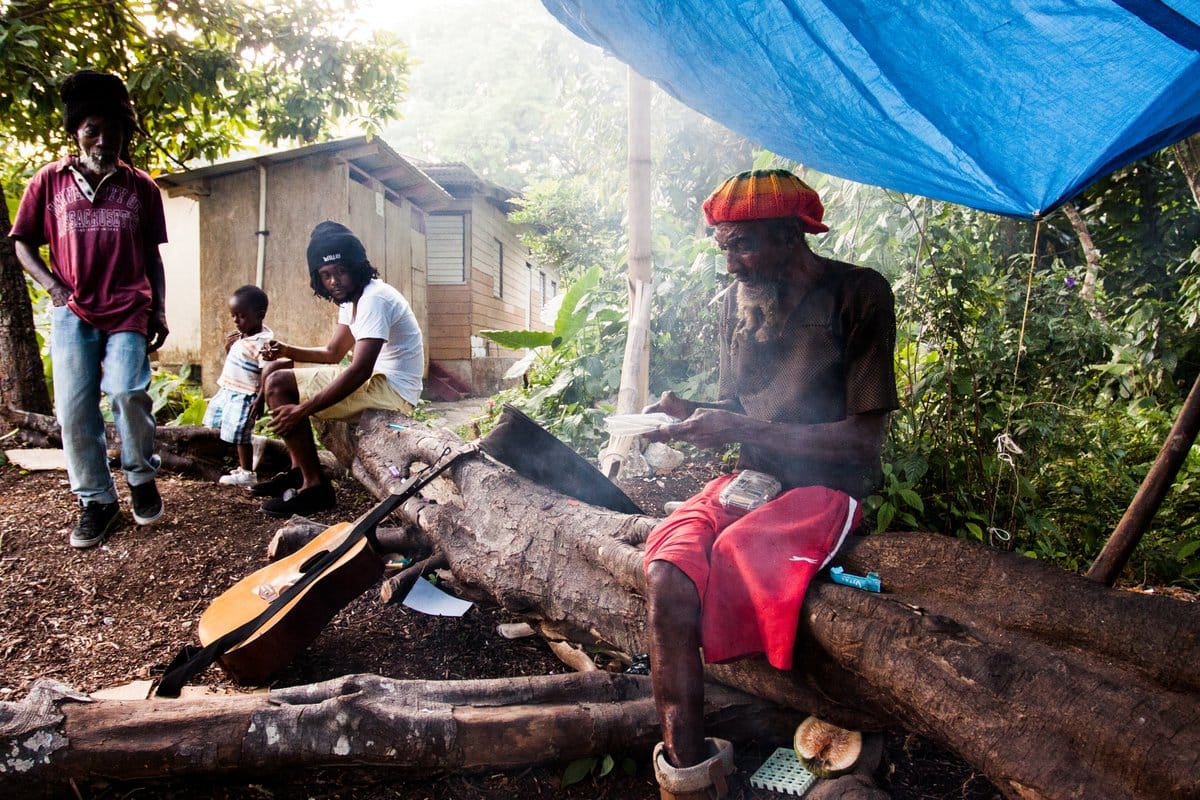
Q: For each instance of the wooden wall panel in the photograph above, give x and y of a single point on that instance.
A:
(299, 194)
(449, 322)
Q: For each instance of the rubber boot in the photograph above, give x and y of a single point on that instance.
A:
(704, 781)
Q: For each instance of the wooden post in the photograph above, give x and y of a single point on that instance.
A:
(1158, 480)
(635, 369)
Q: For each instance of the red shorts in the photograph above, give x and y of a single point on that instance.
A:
(752, 570)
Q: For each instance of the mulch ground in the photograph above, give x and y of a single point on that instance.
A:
(107, 616)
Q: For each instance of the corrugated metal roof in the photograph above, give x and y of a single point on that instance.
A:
(371, 156)
(456, 176)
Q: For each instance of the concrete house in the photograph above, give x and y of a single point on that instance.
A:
(480, 277)
(248, 221)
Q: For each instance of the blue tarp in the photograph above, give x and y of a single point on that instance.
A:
(1010, 106)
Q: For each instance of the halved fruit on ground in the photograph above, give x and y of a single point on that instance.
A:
(826, 750)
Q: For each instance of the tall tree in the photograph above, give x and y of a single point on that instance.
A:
(205, 76)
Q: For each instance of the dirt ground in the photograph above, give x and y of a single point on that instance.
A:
(117, 613)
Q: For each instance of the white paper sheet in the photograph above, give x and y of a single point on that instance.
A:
(428, 599)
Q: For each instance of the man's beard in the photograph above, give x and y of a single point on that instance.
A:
(101, 164)
(759, 310)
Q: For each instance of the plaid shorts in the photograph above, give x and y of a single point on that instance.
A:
(230, 411)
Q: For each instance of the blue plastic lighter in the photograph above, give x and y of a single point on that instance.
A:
(870, 583)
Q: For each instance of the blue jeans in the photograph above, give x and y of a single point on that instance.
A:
(88, 361)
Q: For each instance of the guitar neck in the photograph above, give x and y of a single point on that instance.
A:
(409, 488)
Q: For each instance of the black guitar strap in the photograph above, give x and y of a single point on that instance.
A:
(192, 659)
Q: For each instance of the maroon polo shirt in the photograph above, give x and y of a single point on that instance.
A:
(98, 245)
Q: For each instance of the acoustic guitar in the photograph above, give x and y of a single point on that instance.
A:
(258, 625)
(281, 638)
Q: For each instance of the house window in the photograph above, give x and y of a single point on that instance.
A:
(445, 249)
(498, 275)
(542, 287)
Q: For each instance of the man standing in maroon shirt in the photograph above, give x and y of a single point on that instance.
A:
(103, 221)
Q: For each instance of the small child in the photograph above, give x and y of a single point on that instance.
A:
(230, 408)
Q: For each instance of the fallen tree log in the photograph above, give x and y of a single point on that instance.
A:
(56, 735)
(192, 450)
(1051, 685)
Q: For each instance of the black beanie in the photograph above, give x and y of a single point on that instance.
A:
(333, 243)
(89, 93)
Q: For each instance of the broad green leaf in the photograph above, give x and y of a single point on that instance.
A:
(887, 512)
(1188, 549)
(520, 366)
(519, 340)
(570, 317)
(194, 413)
(577, 770)
(913, 499)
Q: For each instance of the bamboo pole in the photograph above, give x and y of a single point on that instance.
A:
(635, 368)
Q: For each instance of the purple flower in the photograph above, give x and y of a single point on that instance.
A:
(1069, 281)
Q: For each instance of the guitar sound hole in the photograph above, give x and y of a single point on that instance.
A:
(312, 560)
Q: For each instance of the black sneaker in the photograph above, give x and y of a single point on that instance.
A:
(96, 521)
(302, 502)
(280, 483)
(147, 504)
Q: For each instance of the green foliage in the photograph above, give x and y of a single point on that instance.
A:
(897, 501)
(595, 766)
(684, 324)
(566, 226)
(1029, 411)
(39, 298)
(571, 369)
(203, 74)
(175, 398)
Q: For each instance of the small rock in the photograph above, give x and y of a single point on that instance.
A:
(515, 630)
(662, 458)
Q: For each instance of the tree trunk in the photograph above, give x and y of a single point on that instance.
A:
(1187, 153)
(188, 449)
(22, 381)
(56, 735)
(1052, 685)
(1091, 255)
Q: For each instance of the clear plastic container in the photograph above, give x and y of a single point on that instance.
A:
(749, 490)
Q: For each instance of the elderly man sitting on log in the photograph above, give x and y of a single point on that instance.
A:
(806, 384)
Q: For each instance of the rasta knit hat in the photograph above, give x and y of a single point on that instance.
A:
(765, 194)
(333, 243)
(88, 93)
